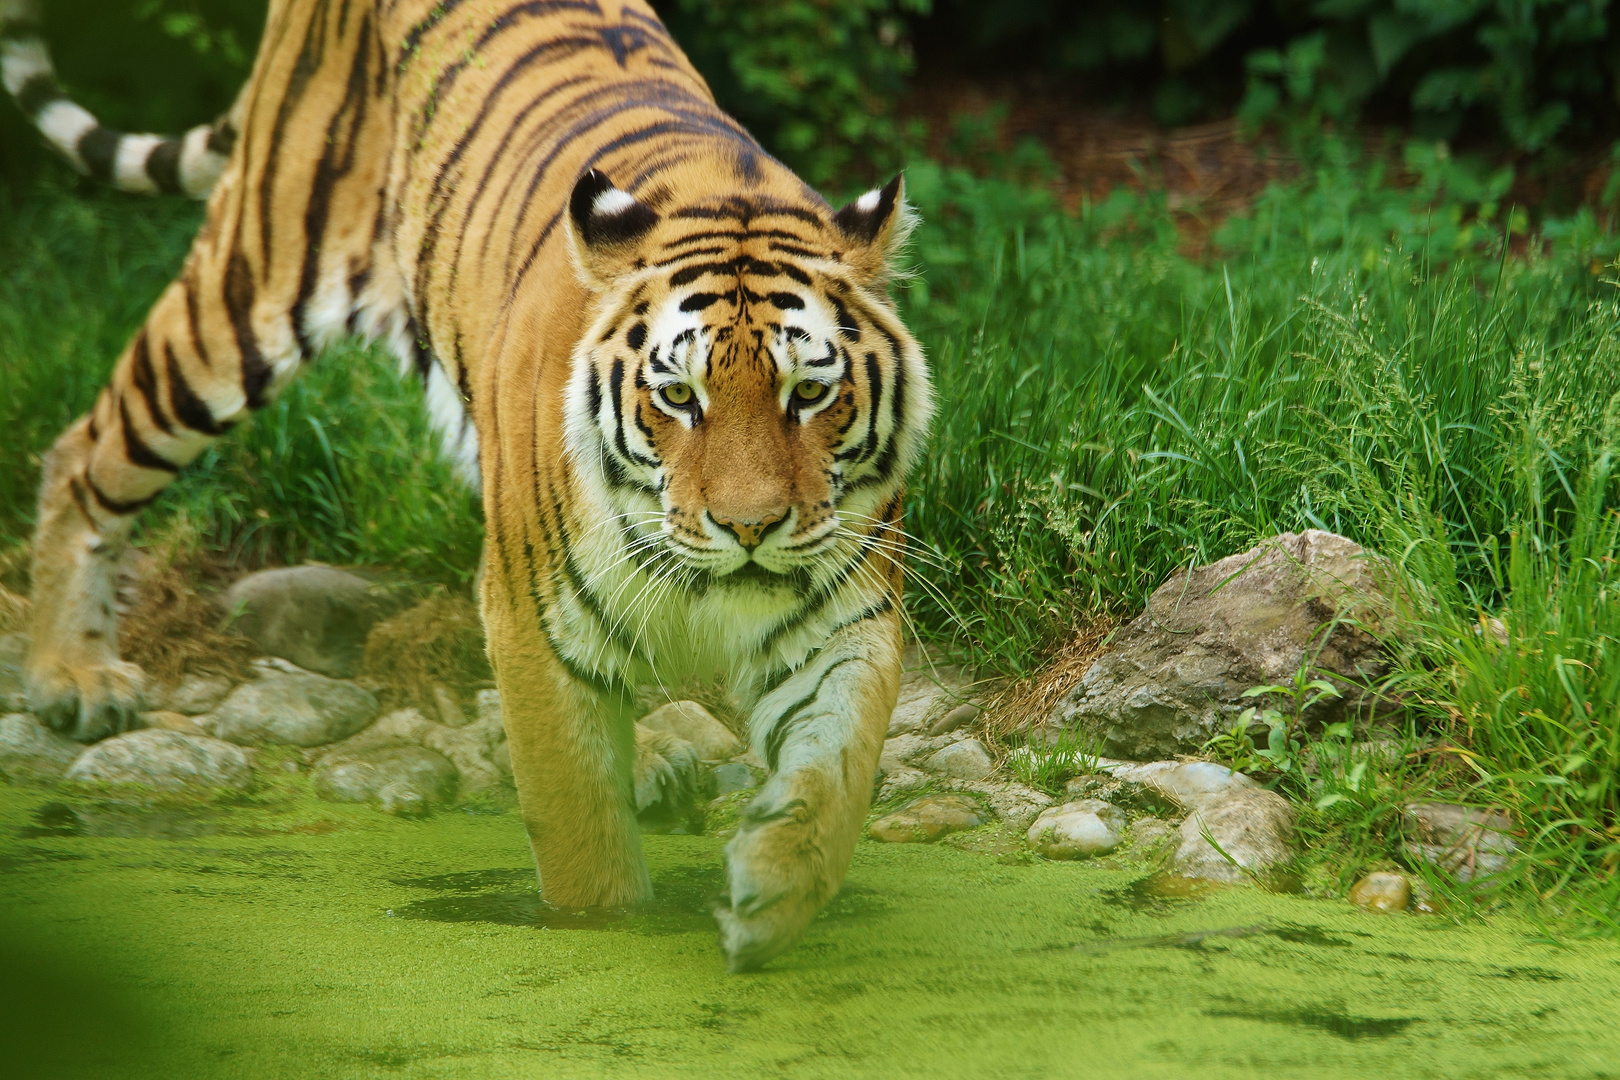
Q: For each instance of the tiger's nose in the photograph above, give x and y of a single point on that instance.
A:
(751, 533)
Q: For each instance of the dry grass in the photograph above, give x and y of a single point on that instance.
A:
(171, 630)
(438, 642)
(1021, 703)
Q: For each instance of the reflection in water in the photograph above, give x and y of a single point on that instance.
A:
(681, 903)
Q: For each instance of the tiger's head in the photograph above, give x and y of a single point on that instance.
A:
(745, 397)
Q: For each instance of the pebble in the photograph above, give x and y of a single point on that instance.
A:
(1252, 827)
(294, 709)
(959, 717)
(965, 760)
(1078, 829)
(166, 761)
(1382, 891)
(401, 779)
(1462, 840)
(927, 819)
(901, 781)
(689, 720)
(733, 776)
(30, 749)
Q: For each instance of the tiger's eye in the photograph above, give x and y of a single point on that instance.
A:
(809, 392)
(677, 393)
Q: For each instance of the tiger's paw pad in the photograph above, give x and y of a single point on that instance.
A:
(87, 702)
(666, 775)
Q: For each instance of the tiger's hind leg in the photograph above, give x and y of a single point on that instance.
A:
(292, 237)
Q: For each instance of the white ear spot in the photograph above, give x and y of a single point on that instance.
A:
(612, 201)
(868, 202)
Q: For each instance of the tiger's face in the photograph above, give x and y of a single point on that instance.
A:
(746, 398)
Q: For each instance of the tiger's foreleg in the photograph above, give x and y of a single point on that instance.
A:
(821, 732)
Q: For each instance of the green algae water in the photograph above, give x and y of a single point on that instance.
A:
(298, 939)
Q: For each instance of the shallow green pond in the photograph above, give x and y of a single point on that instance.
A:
(303, 940)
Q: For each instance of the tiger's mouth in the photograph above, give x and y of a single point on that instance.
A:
(754, 573)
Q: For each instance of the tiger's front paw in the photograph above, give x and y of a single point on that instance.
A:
(666, 777)
(776, 881)
(86, 701)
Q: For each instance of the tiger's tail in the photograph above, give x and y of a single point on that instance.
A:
(147, 164)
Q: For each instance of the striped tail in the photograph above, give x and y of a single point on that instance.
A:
(147, 164)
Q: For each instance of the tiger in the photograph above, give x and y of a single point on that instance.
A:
(675, 375)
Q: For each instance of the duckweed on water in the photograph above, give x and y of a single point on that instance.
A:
(305, 940)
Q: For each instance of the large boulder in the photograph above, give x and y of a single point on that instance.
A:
(30, 749)
(1176, 675)
(689, 720)
(927, 819)
(166, 762)
(293, 708)
(1078, 829)
(315, 616)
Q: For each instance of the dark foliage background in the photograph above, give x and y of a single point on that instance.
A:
(822, 82)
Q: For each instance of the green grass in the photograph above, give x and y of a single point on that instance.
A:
(1353, 354)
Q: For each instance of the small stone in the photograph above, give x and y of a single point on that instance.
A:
(959, 717)
(503, 760)
(966, 760)
(733, 776)
(363, 777)
(471, 748)
(449, 709)
(30, 749)
(172, 721)
(194, 695)
(402, 799)
(302, 709)
(1383, 892)
(1253, 828)
(13, 656)
(315, 616)
(1013, 803)
(1464, 841)
(489, 705)
(898, 752)
(166, 761)
(689, 720)
(1150, 834)
(928, 690)
(1078, 829)
(902, 781)
(927, 819)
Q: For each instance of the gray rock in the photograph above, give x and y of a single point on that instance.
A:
(1078, 829)
(166, 761)
(902, 781)
(13, 654)
(401, 779)
(489, 705)
(927, 819)
(196, 694)
(471, 748)
(1186, 783)
(928, 691)
(1127, 794)
(1150, 834)
(965, 760)
(959, 717)
(1175, 676)
(1466, 842)
(1252, 827)
(503, 760)
(689, 720)
(1013, 803)
(302, 709)
(30, 749)
(315, 616)
(733, 776)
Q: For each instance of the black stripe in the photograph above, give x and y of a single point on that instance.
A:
(98, 148)
(821, 597)
(140, 369)
(163, 166)
(789, 719)
(79, 500)
(194, 322)
(637, 337)
(702, 300)
(136, 449)
(616, 389)
(311, 55)
(111, 505)
(847, 327)
(786, 301)
(188, 408)
(39, 91)
(239, 292)
(222, 138)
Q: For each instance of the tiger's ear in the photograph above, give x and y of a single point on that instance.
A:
(606, 226)
(876, 226)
